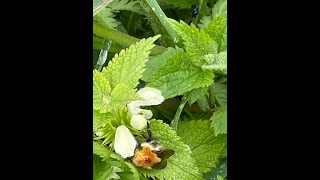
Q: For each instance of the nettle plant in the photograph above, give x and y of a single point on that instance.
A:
(175, 78)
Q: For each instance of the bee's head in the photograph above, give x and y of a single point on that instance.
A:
(154, 142)
(156, 145)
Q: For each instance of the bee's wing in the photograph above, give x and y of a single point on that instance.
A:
(162, 164)
(164, 155)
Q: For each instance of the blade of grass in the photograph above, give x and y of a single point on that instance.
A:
(159, 22)
(103, 54)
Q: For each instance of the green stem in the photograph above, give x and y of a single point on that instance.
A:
(176, 118)
(130, 22)
(103, 54)
(120, 38)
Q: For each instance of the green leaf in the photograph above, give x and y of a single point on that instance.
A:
(129, 172)
(206, 148)
(180, 165)
(197, 94)
(219, 172)
(102, 151)
(121, 95)
(105, 101)
(155, 62)
(203, 103)
(107, 15)
(198, 43)
(183, 4)
(114, 168)
(106, 18)
(219, 121)
(217, 29)
(205, 20)
(133, 169)
(216, 62)
(220, 93)
(179, 76)
(117, 5)
(127, 66)
(101, 90)
(99, 168)
(99, 119)
(115, 162)
(219, 8)
(112, 173)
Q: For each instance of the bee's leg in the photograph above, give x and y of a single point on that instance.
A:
(149, 138)
(138, 143)
(148, 130)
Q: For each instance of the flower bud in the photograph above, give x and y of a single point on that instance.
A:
(138, 122)
(152, 96)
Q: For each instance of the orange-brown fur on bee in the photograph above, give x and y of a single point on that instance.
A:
(145, 157)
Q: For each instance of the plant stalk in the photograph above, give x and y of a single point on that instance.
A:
(120, 38)
(176, 118)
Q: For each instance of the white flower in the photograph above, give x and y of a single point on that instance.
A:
(146, 113)
(133, 107)
(124, 143)
(138, 122)
(151, 96)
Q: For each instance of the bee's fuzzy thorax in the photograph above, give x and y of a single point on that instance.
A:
(145, 157)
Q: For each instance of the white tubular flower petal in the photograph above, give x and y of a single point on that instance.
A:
(152, 96)
(133, 107)
(138, 122)
(124, 143)
(146, 113)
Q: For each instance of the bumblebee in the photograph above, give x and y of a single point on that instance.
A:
(151, 154)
